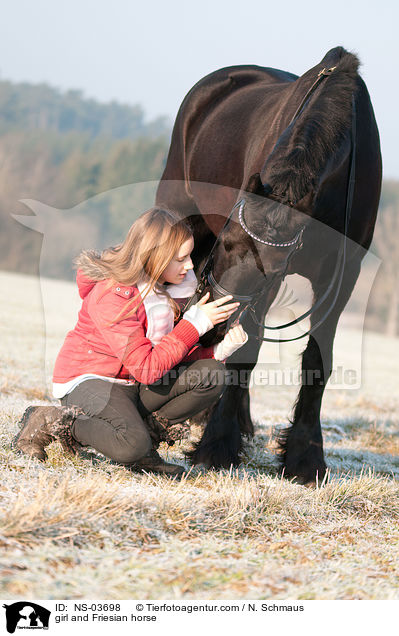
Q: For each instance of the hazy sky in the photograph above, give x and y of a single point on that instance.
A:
(153, 52)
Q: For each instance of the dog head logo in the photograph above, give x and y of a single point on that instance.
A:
(26, 615)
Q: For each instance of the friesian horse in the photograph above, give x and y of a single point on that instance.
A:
(269, 151)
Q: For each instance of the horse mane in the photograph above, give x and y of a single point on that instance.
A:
(302, 152)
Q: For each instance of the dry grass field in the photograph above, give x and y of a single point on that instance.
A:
(85, 528)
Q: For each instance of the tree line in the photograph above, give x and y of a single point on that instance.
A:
(62, 149)
(42, 107)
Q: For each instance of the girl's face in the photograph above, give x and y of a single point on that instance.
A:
(178, 267)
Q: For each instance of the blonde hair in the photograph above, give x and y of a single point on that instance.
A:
(150, 245)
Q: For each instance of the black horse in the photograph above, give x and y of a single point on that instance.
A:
(289, 150)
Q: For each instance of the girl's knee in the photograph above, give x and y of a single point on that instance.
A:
(210, 376)
(129, 451)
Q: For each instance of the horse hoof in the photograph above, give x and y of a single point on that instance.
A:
(305, 473)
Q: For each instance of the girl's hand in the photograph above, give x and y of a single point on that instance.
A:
(234, 339)
(236, 335)
(216, 310)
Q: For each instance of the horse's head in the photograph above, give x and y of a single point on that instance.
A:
(258, 243)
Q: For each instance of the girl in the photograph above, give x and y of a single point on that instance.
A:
(128, 374)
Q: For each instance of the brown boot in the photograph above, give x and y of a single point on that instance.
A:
(154, 463)
(41, 425)
(161, 430)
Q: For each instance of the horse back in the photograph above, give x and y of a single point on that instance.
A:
(205, 96)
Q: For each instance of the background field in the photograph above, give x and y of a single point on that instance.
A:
(83, 527)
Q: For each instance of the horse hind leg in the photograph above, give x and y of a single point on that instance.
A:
(301, 444)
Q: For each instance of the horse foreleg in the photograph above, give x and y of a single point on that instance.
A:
(230, 419)
(221, 442)
(301, 444)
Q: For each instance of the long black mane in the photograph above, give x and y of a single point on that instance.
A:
(302, 152)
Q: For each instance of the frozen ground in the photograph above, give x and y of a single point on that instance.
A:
(82, 527)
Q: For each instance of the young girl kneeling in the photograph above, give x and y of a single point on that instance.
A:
(127, 376)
